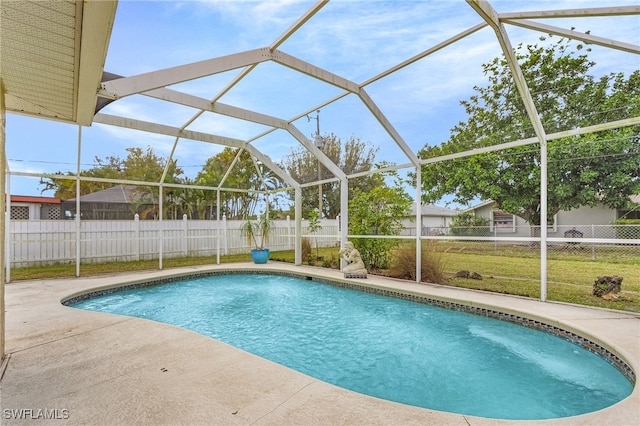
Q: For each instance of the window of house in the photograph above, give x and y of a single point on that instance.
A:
(503, 221)
(629, 214)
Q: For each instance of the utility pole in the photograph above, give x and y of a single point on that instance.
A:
(320, 144)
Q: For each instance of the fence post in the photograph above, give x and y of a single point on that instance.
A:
(224, 234)
(593, 245)
(289, 237)
(185, 239)
(136, 236)
(7, 232)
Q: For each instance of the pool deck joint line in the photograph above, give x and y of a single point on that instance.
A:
(83, 367)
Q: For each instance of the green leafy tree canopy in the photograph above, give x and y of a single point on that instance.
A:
(378, 211)
(582, 170)
(139, 165)
(243, 175)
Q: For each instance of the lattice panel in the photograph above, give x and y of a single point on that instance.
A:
(50, 212)
(19, 212)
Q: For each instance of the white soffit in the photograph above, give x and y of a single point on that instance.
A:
(52, 53)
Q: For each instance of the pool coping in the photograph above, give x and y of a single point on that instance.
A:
(50, 323)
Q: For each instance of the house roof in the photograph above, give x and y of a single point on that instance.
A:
(118, 194)
(432, 210)
(477, 206)
(633, 198)
(34, 199)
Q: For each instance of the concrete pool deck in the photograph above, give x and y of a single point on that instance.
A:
(80, 367)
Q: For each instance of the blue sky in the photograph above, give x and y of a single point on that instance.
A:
(354, 39)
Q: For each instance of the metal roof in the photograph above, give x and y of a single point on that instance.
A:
(117, 194)
(53, 54)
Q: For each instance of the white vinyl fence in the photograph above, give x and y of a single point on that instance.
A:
(49, 242)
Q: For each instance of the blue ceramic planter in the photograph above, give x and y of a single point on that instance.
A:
(260, 256)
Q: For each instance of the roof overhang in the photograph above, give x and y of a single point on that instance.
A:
(53, 55)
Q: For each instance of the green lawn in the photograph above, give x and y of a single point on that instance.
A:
(569, 279)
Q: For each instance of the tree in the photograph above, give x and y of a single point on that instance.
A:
(355, 156)
(315, 225)
(378, 212)
(243, 176)
(582, 170)
(139, 165)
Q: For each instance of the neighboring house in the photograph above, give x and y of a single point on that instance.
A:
(435, 220)
(589, 221)
(26, 207)
(120, 202)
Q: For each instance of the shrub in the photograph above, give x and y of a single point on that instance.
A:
(403, 263)
(377, 212)
(332, 262)
(630, 230)
(467, 224)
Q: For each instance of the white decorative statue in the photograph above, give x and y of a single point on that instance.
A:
(355, 266)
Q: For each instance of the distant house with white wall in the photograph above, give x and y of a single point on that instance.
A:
(436, 220)
(27, 207)
(589, 221)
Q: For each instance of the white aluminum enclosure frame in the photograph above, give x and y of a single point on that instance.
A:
(98, 19)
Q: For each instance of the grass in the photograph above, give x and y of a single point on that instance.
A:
(569, 281)
(514, 272)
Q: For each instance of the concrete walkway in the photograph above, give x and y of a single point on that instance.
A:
(82, 367)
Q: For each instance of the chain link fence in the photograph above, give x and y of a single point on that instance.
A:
(591, 242)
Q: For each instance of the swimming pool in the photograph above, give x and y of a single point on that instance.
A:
(394, 349)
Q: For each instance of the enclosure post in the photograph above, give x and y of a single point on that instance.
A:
(491, 17)
(218, 226)
(77, 221)
(160, 228)
(3, 160)
(7, 236)
(344, 214)
(298, 216)
(543, 219)
(418, 224)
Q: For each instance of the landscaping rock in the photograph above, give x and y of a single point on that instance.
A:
(607, 285)
(467, 274)
(463, 274)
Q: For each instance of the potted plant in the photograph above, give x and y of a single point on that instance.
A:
(257, 233)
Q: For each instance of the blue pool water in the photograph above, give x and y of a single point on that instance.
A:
(389, 348)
